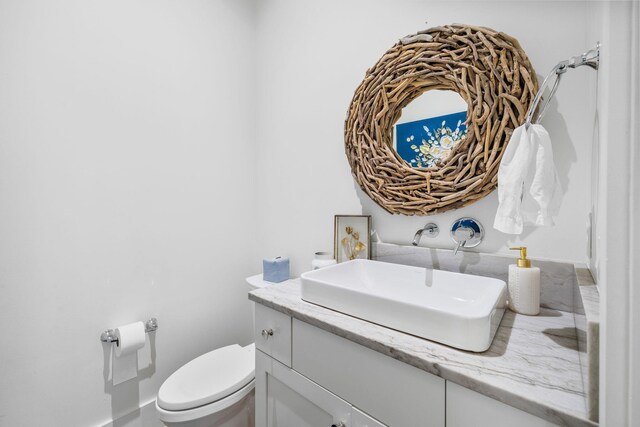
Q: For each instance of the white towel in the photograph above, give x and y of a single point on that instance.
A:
(528, 187)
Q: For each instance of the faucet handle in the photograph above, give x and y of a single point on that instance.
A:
(464, 233)
(467, 233)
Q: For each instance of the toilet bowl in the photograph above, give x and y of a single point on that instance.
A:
(213, 390)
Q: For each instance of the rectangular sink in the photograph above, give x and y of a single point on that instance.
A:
(459, 310)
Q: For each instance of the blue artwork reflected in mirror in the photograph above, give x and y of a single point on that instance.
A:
(422, 143)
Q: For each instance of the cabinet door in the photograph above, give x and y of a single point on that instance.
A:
(360, 419)
(468, 408)
(285, 398)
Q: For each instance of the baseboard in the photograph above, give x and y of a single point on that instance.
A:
(145, 417)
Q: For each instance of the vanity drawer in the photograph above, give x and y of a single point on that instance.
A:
(272, 333)
(392, 392)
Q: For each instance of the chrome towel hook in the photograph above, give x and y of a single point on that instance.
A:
(590, 58)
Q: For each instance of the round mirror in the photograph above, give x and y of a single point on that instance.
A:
(430, 127)
(453, 161)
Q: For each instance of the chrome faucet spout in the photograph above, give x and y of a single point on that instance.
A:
(430, 230)
(416, 238)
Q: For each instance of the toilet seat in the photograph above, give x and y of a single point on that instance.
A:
(203, 411)
(207, 384)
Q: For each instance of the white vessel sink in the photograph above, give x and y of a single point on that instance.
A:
(455, 309)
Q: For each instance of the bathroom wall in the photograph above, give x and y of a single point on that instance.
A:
(128, 191)
(153, 151)
(616, 203)
(597, 20)
(312, 56)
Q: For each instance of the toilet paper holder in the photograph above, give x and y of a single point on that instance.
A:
(109, 335)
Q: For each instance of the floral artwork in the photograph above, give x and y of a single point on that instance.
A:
(352, 237)
(423, 143)
(351, 243)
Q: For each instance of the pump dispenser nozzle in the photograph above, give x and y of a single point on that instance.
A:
(523, 262)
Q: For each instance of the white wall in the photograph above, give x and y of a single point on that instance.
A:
(152, 151)
(616, 204)
(597, 19)
(312, 56)
(126, 192)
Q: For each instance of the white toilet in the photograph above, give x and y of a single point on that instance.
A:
(213, 390)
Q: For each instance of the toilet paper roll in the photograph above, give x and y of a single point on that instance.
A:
(131, 338)
(124, 364)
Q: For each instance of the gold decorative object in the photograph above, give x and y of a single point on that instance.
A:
(352, 237)
(351, 244)
(487, 68)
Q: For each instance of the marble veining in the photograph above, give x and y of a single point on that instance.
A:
(558, 279)
(590, 295)
(588, 327)
(533, 363)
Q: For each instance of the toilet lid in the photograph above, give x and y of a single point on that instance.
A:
(210, 377)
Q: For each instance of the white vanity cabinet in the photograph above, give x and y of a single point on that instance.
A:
(360, 419)
(468, 408)
(308, 377)
(315, 378)
(286, 398)
(392, 392)
(272, 333)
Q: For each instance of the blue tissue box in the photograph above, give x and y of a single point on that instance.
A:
(275, 270)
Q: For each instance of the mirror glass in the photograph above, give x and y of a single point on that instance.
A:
(430, 127)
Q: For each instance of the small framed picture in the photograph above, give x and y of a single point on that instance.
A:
(352, 237)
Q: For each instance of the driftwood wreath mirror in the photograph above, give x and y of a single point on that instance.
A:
(454, 164)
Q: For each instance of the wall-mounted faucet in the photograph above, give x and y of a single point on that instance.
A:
(467, 233)
(431, 230)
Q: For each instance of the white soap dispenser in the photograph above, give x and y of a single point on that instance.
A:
(524, 285)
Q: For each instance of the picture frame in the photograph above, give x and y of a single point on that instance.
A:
(351, 237)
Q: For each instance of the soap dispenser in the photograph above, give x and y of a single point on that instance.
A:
(524, 285)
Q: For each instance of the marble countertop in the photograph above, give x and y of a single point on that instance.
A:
(588, 325)
(533, 363)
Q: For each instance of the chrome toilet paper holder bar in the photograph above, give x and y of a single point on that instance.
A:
(109, 335)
